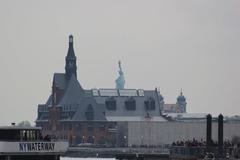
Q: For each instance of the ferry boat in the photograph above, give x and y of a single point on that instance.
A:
(27, 143)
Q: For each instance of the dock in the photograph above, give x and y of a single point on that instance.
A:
(117, 152)
(143, 156)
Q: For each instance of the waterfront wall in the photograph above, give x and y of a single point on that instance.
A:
(158, 133)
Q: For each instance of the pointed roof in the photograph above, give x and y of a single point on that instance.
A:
(60, 80)
(98, 110)
(70, 54)
(73, 94)
(49, 101)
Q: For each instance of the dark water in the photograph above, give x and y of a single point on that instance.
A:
(66, 158)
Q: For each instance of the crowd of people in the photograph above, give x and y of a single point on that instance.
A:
(189, 143)
(196, 143)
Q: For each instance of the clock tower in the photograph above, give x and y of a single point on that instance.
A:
(70, 66)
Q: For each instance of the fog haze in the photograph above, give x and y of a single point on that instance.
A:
(170, 44)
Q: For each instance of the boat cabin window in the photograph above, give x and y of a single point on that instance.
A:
(20, 134)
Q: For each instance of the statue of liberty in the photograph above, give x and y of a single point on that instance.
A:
(120, 81)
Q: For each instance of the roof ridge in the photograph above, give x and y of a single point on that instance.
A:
(73, 93)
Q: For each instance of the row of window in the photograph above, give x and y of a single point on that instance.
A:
(20, 135)
(43, 115)
(42, 108)
(79, 128)
(130, 104)
(65, 115)
(111, 104)
(69, 108)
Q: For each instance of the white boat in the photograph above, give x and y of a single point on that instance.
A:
(27, 143)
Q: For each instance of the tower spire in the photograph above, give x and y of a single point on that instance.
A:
(71, 53)
(70, 66)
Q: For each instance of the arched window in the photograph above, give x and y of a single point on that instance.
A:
(111, 104)
(130, 104)
(149, 104)
(89, 112)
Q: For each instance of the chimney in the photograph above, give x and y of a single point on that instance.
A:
(209, 131)
(220, 134)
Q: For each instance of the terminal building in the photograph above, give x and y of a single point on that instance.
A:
(119, 116)
(95, 115)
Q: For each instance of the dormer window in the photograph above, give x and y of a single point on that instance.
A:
(111, 104)
(130, 104)
(149, 104)
(89, 112)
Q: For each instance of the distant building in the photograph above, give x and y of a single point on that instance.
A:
(188, 117)
(97, 115)
(158, 133)
(178, 107)
(170, 108)
(181, 103)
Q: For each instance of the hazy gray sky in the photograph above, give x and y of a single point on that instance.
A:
(171, 44)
